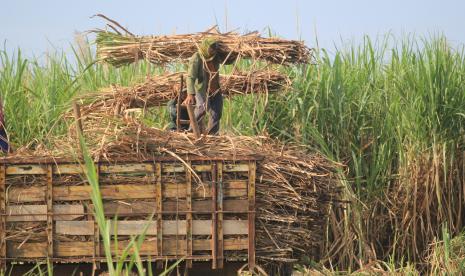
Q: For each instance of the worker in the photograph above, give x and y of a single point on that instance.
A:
(4, 144)
(203, 83)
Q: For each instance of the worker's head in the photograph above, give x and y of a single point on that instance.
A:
(208, 48)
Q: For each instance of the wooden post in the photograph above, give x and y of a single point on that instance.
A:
(78, 121)
(3, 200)
(251, 216)
(159, 202)
(194, 123)
(77, 117)
(178, 106)
(49, 198)
(220, 193)
(214, 242)
(189, 216)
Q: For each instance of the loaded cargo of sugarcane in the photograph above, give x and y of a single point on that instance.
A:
(199, 198)
(294, 190)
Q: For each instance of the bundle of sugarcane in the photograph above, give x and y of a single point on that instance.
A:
(158, 90)
(294, 188)
(118, 49)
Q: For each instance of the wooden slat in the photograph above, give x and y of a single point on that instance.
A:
(79, 228)
(123, 228)
(49, 198)
(18, 194)
(236, 167)
(79, 249)
(39, 212)
(170, 168)
(75, 249)
(159, 205)
(135, 227)
(96, 253)
(26, 250)
(68, 169)
(214, 218)
(2, 220)
(127, 168)
(235, 227)
(220, 233)
(123, 208)
(189, 227)
(230, 205)
(251, 216)
(26, 169)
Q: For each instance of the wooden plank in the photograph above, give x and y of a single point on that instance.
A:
(174, 227)
(68, 169)
(219, 204)
(71, 193)
(3, 248)
(251, 216)
(189, 226)
(121, 207)
(123, 228)
(30, 194)
(49, 197)
(159, 205)
(235, 227)
(135, 227)
(26, 169)
(79, 249)
(235, 244)
(125, 209)
(229, 244)
(26, 250)
(170, 168)
(96, 252)
(242, 167)
(79, 228)
(75, 249)
(67, 211)
(214, 244)
(148, 248)
(39, 212)
(127, 168)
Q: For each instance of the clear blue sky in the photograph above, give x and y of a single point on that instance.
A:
(35, 25)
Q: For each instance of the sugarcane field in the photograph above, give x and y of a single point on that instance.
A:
(264, 148)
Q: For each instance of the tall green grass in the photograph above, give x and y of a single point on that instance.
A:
(392, 111)
(36, 93)
(395, 117)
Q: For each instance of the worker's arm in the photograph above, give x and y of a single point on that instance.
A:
(192, 74)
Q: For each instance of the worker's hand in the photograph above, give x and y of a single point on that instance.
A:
(190, 100)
